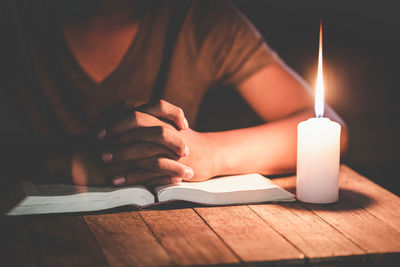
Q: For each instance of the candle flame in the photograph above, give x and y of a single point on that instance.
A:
(319, 87)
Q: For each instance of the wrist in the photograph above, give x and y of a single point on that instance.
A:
(214, 157)
(225, 156)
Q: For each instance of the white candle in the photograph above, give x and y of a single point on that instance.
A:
(318, 151)
(318, 157)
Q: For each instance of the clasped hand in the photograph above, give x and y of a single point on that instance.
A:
(149, 144)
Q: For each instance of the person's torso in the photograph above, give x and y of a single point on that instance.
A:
(62, 97)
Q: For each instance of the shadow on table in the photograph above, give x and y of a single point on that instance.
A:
(348, 200)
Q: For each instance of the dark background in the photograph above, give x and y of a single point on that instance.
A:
(361, 70)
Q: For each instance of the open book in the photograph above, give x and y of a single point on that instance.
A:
(60, 198)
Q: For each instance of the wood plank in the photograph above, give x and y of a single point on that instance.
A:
(372, 197)
(187, 238)
(367, 194)
(249, 236)
(361, 213)
(64, 241)
(368, 231)
(314, 237)
(15, 246)
(366, 213)
(126, 240)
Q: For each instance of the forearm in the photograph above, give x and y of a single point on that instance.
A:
(267, 149)
(41, 158)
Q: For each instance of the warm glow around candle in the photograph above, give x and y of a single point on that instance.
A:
(318, 150)
(319, 87)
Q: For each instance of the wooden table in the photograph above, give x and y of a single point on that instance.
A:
(364, 226)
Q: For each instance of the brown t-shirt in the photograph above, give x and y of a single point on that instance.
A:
(48, 90)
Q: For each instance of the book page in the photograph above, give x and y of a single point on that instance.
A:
(236, 189)
(62, 198)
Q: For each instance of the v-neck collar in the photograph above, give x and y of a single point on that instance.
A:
(118, 70)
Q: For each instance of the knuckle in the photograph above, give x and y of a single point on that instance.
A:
(158, 163)
(136, 114)
(180, 171)
(177, 145)
(161, 132)
(180, 113)
(133, 116)
(155, 131)
(138, 118)
(159, 129)
(181, 147)
(160, 105)
(164, 133)
(177, 140)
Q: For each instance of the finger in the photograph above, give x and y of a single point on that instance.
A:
(118, 110)
(137, 176)
(164, 180)
(128, 174)
(134, 119)
(159, 135)
(115, 169)
(167, 167)
(163, 109)
(134, 152)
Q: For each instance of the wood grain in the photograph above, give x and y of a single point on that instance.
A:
(248, 235)
(367, 194)
(126, 240)
(373, 198)
(366, 213)
(313, 236)
(187, 238)
(64, 241)
(363, 228)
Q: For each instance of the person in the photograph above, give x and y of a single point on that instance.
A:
(81, 97)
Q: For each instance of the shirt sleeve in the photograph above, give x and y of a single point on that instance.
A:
(230, 49)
